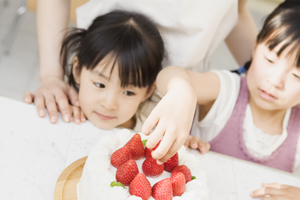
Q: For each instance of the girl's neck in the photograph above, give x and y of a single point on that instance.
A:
(269, 121)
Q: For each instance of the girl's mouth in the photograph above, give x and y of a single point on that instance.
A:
(104, 117)
(266, 96)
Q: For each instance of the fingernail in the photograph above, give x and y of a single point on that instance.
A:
(159, 162)
(41, 113)
(66, 118)
(77, 103)
(52, 119)
(83, 119)
(252, 194)
(26, 100)
(194, 146)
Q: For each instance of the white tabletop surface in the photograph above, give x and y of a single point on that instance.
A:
(34, 152)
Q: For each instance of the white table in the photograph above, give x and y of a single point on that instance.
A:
(33, 153)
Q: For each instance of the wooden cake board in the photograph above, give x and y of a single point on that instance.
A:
(66, 185)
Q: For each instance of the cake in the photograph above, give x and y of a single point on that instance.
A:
(98, 173)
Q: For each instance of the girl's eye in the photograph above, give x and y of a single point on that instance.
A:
(128, 93)
(297, 76)
(99, 85)
(270, 61)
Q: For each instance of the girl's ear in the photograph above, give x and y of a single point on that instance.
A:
(150, 92)
(75, 70)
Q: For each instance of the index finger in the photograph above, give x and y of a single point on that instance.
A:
(160, 153)
(150, 122)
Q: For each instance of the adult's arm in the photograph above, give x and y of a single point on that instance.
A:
(241, 39)
(53, 93)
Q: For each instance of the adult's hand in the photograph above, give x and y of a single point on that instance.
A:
(53, 94)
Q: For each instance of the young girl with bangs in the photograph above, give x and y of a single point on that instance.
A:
(253, 117)
(113, 66)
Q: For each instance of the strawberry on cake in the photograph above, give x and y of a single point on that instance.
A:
(119, 167)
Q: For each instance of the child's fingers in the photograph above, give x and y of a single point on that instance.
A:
(275, 185)
(156, 135)
(267, 191)
(172, 150)
(150, 122)
(161, 152)
(28, 97)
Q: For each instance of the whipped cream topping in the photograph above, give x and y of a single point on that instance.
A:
(98, 173)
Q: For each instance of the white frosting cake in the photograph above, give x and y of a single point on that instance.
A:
(98, 173)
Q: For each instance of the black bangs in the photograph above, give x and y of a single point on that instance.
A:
(128, 39)
(282, 27)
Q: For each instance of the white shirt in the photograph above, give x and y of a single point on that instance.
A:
(258, 143)
(191, 29)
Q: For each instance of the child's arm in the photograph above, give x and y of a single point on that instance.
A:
(173, 115)
(277, 191)
(197, 143)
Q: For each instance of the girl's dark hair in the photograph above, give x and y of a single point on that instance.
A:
(131, 39)
(283, 25)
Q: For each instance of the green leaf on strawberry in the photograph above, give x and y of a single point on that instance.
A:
(144, 142)
(114, 183)
(193, 177)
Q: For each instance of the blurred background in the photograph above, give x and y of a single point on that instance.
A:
(19, 67)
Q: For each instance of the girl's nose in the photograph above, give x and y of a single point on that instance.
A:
(277, 79)
(110, 101)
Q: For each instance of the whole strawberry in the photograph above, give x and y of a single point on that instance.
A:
(120, 156)
(140, 187)
(171, 163)
(178, 183)
(137, 147)
(162, 190)
(151, 168)
(126, 172)
(185, 170)
(149, 151)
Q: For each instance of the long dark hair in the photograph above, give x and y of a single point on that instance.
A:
(131, 38)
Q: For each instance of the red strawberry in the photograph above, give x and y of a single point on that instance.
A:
(126, 172)
(171, 163)
(140, 187)
(178, 183)
(162, 190)
(185, 170)
(149, 151)
(137, 147)
(151, 168)
(120, 156)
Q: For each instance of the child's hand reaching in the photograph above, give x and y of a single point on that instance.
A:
(277, 191)
(197, 143)
(173, 116)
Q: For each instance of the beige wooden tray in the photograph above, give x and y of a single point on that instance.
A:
(66, 185)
